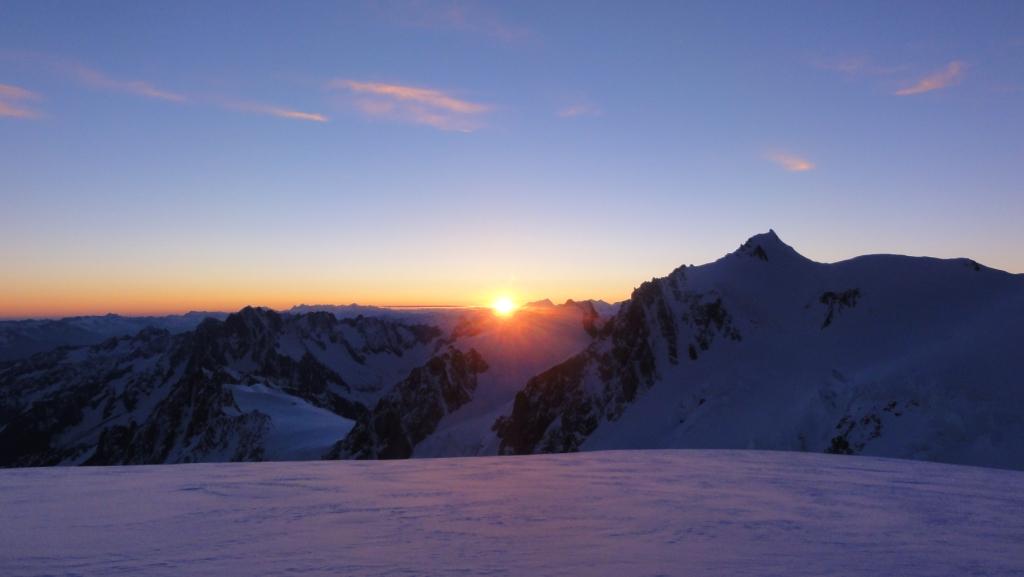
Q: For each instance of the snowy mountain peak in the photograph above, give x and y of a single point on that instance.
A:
(768, 247)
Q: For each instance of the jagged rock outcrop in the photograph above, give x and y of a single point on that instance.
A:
(414, 407)
(836, 302)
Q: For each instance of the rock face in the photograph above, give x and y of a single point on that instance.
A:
(162, 398)
(836, 302)
(414, 407)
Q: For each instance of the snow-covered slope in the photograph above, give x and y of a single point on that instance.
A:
(880, 355)
(298, 429)
(643, 513)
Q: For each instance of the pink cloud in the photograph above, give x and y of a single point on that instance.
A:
(581, 109)
(856, 66)
(950, 75)
(416, 105)
(791, 162)
(10, 95)
(426, 96)
(452, 15)
(97, 79)
(277, 111)
(12, 92)
(12, 111)
(92, 77)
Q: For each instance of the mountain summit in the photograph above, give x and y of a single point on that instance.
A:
(767, 246)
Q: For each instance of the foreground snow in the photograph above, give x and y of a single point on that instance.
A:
(606, 513)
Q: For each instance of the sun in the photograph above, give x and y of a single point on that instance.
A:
(503, 306)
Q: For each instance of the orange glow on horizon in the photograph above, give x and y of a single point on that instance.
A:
(56, 297)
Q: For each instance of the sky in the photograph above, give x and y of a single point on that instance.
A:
(165, 157)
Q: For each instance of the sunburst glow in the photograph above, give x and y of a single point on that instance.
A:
(503, 306)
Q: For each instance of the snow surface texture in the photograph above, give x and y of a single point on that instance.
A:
(734, 513)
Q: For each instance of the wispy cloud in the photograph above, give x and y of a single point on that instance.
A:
(12, 99)
(580, 109)
(99, 80)
(856, 66)
(277, 111)
(91, 77)
(948, 76)
(790, 162)
(427, 96)
(860, 68)
(8, 110)
(454, 15)
(96, 79)
(12, 92)
(413, 104)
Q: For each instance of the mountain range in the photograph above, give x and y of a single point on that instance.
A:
(23, 338)
(882, 355)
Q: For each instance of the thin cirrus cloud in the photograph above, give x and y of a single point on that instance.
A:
(791, 162)
(12, 97)
(99, 80)
(856, 67)
(574, 110)
(860, 67)
(12, 102)
(948, 76)
(416, 105)
(452, 15)
(277, 111)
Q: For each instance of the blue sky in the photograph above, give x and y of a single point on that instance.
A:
(156, 158)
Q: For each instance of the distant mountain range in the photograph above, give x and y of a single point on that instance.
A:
(20, 339)
(880, 355)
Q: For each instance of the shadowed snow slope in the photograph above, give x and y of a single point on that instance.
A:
(702, 513)
(298, 429)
